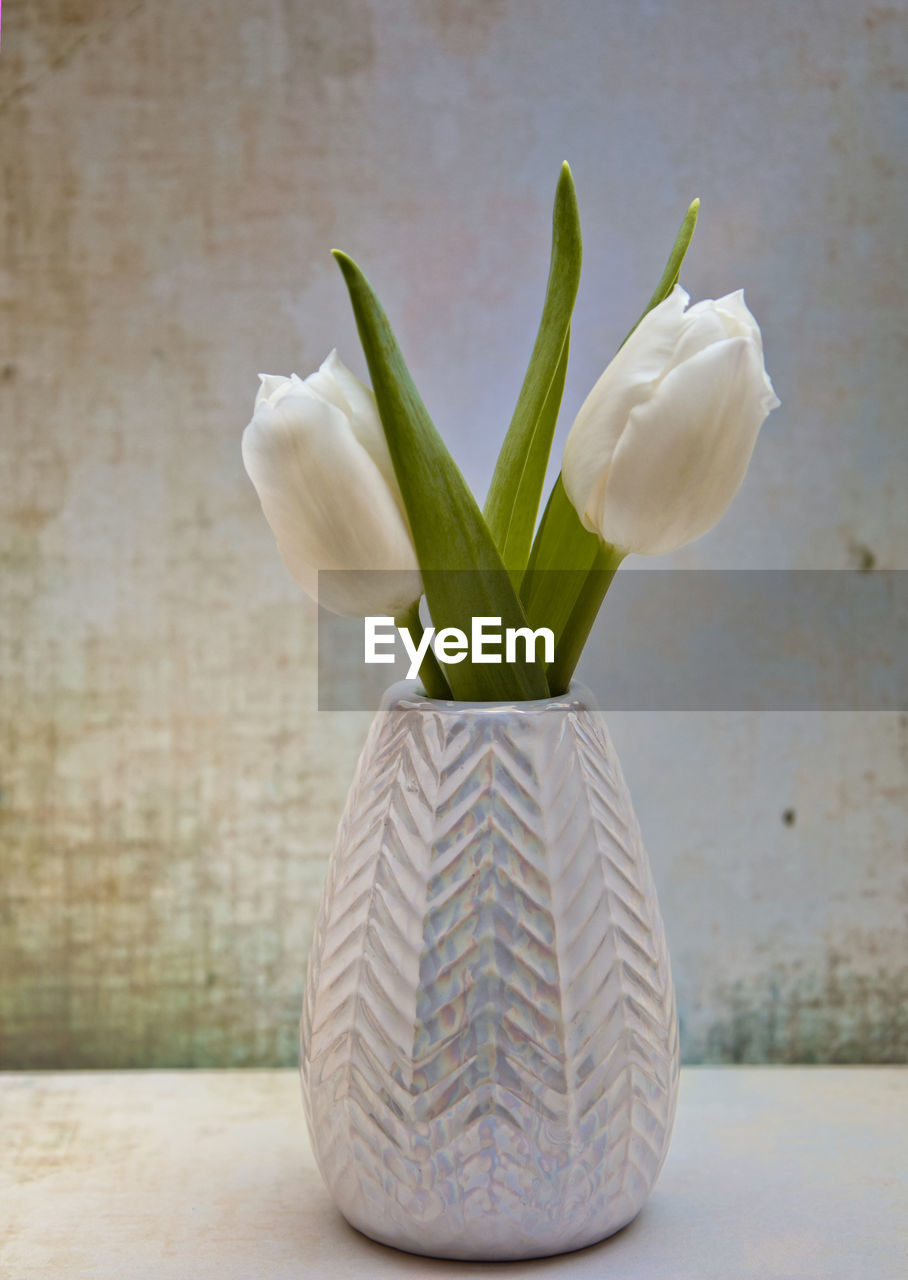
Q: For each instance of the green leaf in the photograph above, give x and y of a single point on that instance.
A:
(563, 555)
(566, 580)
(430, 673)
(672, 272)
(586, 609)
(516, 489)
(463, 574)
(518, 542)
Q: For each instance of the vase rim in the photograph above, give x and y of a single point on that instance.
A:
(408, 695)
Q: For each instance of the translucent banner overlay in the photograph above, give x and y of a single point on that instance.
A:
(679, 640)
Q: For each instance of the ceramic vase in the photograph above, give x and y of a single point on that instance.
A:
(489, 1042)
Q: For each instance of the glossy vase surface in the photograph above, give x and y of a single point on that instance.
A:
(489, 1042)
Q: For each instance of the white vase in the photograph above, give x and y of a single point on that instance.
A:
(489, 1042)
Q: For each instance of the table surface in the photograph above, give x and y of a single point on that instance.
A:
(774, 1173)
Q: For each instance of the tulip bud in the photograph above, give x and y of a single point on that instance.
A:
(661, 444)
(316, 453)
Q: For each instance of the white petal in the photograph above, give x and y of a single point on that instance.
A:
(770, 399)
(648, 350)
(269, 384)
(274, 387)
(326, 501)
(356, 594)
(740, 321)
(699, 330)
(627, 380)
(590, 445)
(738, 317)
(325, 385)
(337, 384)
(685, 451)
(359, 398)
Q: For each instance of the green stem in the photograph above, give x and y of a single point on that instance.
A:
(430, 673)
(589, 600)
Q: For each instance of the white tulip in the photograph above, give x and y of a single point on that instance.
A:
(316, 453)
(663, 440)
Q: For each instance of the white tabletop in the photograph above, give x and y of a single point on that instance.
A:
(774, 1173)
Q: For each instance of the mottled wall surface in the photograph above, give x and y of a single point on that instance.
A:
(174, 175)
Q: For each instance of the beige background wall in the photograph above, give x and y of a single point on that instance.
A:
(173, 177)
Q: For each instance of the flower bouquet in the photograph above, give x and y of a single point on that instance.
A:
(489, 1043)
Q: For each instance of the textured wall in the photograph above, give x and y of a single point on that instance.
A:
(174, 175)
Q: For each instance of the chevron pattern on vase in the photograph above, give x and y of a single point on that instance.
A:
(489, 1043)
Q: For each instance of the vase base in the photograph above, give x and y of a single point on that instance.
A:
(489, 1250)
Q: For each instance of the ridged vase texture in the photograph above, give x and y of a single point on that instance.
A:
(489, 1042)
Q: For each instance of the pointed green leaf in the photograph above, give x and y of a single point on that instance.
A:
(463, 574)
(672, 272)
(519, 538)
(516, 488)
